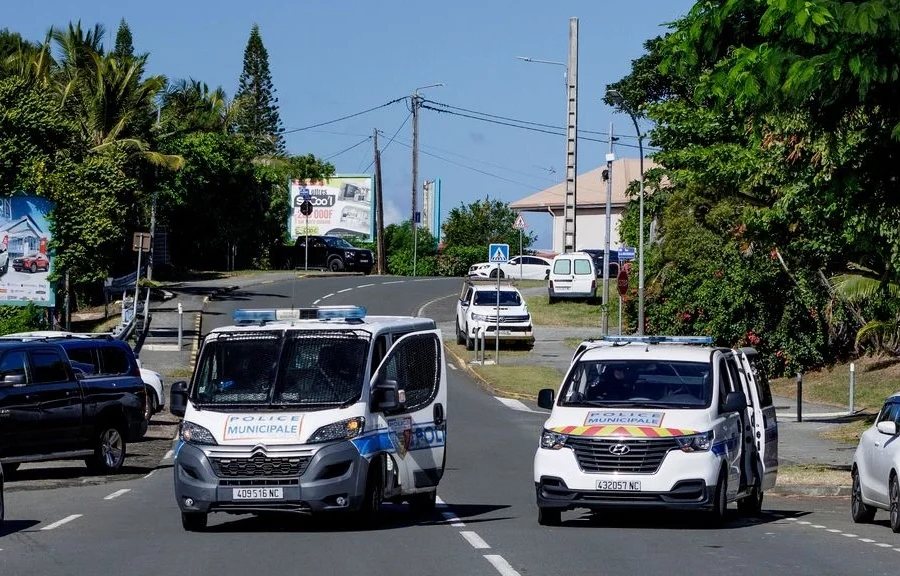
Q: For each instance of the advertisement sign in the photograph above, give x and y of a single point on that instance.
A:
(343, 205)
(25, 258)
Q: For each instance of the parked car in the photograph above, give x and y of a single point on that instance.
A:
(597, 255)
(51, 411)
(477, 309)
(32, 262)
(332, 253)
(4, 260)
(518, 267)
(573, 275)
(876, 464)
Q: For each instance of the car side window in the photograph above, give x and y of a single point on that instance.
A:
(48, 367)
(725, 384)
(583, 266)
(84, 359)
(889, 413)
(415, 365)
(14, 363)
(379, 351)
(562, 267)
(114, 361)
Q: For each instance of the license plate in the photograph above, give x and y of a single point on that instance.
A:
(619, 485)
(506, 332)
(258, 493)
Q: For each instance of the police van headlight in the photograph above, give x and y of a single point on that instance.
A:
(696, 442)
(195, 434)
(551, 440)
(343, 430)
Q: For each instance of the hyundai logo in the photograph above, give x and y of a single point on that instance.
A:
(619, 449)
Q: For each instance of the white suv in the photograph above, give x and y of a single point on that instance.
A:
(477, 309)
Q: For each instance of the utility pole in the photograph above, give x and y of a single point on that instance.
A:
(379, 211)
(569, 214)
(610, 156)
(415, 158)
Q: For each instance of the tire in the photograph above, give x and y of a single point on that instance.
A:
(2, 503)
(895, 504)
(335, 265)
(720, 500)
(494, 274)
(109, 450)
(549, 516)
(193, 521)
(861, 512)
(33, 267)
(423, 504)
(470, 342)
(152, 406)
(460, 337)
(370, 508)
(752, 504)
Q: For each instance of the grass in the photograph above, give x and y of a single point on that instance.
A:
(108, 324)
(506, 350)
(812, 475)
(574, 314)
(179, 374)
(572, 342)
(849, 433)
(876, 379)
(520, 379)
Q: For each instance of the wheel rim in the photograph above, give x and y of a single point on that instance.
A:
(856, 495)
(895, 503)
(148, 409)
(111, 447)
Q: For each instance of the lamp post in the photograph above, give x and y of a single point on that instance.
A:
(620, 102)
(552, 62)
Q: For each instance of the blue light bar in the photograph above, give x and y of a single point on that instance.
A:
(263, 315)
(662, 339)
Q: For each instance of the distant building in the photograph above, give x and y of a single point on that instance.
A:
(23, 236)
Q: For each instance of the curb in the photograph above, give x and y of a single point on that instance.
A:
(484, 383)
(812, 491)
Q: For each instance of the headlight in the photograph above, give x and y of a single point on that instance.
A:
(343, 430)
(349, 254)
(194, 434)
(696, 442)
(479, 317)
(552, 440)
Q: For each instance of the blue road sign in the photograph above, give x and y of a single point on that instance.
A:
(305, 193)
(626, 253)
(498, 253)
(418, 217)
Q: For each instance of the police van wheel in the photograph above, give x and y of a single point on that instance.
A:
(549, 516)
(720, 500)
(752, 504)
(193, 521)
(371, 504)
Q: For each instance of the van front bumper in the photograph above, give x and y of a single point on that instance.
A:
(695, 494)
(332, 478)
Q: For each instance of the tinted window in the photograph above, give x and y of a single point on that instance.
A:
(13, 364)
(562, 267)
(114, 360)
(507, 298)
(889, 413)
(583, 266)
(83, 359)
(725, 384)
(762, 381)
(415, 365)
(48, 366)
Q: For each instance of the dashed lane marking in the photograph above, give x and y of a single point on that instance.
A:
(394, 282)
(344, 290)
(365, 285)
(474, 539)
(451, 366)
(117, 493)
(317, 301)
(502, 566)
(515, 404)
(59, 523)
(842, 533)
(327, 296)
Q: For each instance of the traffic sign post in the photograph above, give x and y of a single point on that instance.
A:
(520, 226)
(622, 285)
(499, 254)
(627, 253)
(306, 209)
(140, 244)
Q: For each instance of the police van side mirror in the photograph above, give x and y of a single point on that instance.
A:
(178, 398)
(545, 399)
(387, 395)
(735, 402)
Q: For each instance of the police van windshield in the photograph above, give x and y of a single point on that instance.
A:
(300, 369)
(489, 298)
(638, 384)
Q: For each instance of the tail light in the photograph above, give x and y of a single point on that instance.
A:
(593, 285)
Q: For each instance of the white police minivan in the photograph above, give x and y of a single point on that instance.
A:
(657, 422)
(311, 410)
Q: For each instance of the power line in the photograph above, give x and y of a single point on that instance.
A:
(355, 114)
(347, 149)
(389, 141)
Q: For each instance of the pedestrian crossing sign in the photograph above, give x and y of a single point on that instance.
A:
(498, 253)
(520, 223)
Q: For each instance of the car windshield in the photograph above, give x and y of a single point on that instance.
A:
(305, 368)
(638, 383)
(336, 242)
(489, 298)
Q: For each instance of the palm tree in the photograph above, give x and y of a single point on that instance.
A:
(867, 288)
(190, 106)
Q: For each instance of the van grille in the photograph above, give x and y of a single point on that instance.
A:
(644, 456)
(259, 466)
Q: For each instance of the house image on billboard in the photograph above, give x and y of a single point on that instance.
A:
(23, 237)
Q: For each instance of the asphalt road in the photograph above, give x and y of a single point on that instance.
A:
(489, 525)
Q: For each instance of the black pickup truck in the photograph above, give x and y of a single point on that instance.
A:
(52, 411)
(332, 253)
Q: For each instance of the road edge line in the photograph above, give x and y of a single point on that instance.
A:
(483, 383)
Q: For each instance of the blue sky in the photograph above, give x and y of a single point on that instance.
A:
(337, 57)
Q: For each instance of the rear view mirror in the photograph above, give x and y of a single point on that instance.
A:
(887, 427)
(387, 396)
(13, 379)
(545, 399)
(178, 398)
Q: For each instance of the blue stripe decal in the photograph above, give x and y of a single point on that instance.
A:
(424, 436)
(729, 444)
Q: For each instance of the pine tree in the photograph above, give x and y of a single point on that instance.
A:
(124, 42)
(258, 117)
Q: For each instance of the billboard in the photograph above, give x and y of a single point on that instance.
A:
(343, 205)
(25, 257)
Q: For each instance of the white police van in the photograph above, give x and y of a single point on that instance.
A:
(311, 410)
(657, 422)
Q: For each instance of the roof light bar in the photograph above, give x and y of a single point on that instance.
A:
(263, 315)
(662, 339)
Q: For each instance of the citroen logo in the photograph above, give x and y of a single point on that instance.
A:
(619, 449)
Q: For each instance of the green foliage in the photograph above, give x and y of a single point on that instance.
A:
(14, 319)
(484, 222)
(456, 260)
(259, 119)
(124, 42)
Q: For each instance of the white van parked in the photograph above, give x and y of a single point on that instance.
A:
(656, 422)
(311, 410)
(572, 275)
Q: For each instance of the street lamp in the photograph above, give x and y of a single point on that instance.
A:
(552, 62)
(620, 102)
(415, 164)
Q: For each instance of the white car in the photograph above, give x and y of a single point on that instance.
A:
(518, 267)
(876, 464)
(477, 310)
(574, 275)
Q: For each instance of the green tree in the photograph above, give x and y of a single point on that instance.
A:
(484, 222)
(124, 42)
(259, 118)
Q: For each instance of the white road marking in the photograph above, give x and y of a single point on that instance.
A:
(805, 523)
(59, 523)
(151, 473)
(448, 515)
(365, 285)
(117, 493)
(474, 539)
(168, 454)
(327, 296)
(452, 366)
(514, 404)
(883, 545)
(422, 280)
(866, 540)
(849, 535)
(817, 526)
(344, 290)
(394, 282)
(502, 566)
(317, 301)
(834, 531)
